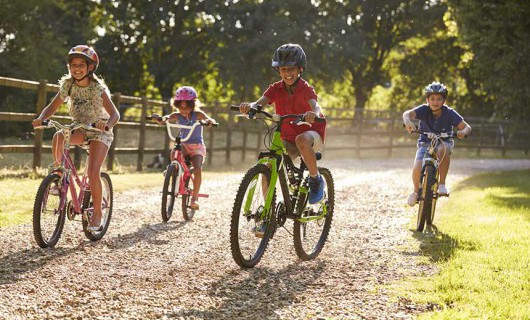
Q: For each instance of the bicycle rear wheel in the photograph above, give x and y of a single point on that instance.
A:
(169, 191)
(247, 215)
(426, 203)
(312, 227)
(187, 212)
(106, 208)
(48, 219)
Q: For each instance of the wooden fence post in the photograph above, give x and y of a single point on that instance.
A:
(359, 130)
(77, 157)
(245, 135)
(480, 129)
(167, 152)
(391, 142)
(502, 140)
(211, 135)
(110, 156)
(229, 137)
(37, 141)
(141, 140)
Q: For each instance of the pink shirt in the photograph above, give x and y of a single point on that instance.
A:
(296, 103)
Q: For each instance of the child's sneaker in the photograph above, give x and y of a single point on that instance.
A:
(411, 201)
(194, 204)
(316, 189)
(259, 229)
(442, 190)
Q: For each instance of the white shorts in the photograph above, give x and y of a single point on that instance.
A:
(292, 150)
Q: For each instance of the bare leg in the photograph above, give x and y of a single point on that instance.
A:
(196, 160)
(445, 160)
(98, 152)
(58, 145)
(416, 173)
(304, 143)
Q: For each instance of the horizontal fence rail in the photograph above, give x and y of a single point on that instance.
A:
(374, 130)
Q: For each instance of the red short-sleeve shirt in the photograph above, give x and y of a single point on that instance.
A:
(296, 103)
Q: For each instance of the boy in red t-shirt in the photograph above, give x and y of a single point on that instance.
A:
(293, 95)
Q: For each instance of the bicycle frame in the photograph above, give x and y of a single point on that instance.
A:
(69, 171)
(277, 159)
(184, 172)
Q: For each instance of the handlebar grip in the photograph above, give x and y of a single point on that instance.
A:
(45, 122)
(234, 108)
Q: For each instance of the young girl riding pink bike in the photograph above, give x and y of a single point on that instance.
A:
(187, 155)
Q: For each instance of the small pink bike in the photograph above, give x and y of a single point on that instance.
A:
(52, 204)
(179, 173)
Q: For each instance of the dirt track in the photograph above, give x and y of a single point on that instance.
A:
(147, 269)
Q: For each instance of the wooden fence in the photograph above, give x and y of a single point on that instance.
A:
(379, 130)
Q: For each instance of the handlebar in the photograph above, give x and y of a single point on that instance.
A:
(180, 126)
(73, 126)
(258, 109)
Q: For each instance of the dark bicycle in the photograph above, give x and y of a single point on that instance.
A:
(428, 192)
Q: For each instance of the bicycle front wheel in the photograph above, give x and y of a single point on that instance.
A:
(426, 203)
(187, 212)
(312, 227)
(106, 208)
(169, 192)
(252, 224)
(48, 219)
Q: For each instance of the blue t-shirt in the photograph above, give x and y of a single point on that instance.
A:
(429, 123)
(196, 136)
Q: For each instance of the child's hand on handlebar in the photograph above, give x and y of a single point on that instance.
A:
(310, 116)
(409, 126)
(101, 125)
(36, 123)
(244, 107)
(210, 122)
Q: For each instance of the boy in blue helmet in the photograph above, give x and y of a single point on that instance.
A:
(436, 117)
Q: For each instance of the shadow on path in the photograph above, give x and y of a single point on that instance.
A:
(260, 294)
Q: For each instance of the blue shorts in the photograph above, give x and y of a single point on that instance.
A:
(423, 147)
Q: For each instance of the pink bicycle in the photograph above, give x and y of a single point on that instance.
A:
(52, 204)
(179, 173)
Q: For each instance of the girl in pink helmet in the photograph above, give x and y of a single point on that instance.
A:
(187, 105)
(89, 103)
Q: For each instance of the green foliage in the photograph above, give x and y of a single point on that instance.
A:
(497, 33)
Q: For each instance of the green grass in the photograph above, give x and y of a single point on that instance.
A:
(482, 250)
(18, 195)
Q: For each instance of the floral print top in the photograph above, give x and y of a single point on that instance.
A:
(85, 104)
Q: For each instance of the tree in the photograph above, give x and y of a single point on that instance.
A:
(497, 33)
(361, 34)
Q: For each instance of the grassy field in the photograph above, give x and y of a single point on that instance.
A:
(481, 248)
(17, 195)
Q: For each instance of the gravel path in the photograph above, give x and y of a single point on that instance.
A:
(144, 268)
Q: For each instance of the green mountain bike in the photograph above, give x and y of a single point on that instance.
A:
(257, 207)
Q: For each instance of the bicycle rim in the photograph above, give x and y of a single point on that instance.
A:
(247, 215)
(169, 192)
(48, 219)
(312, 227)
(426, 201)
(106, 208)
(187, 212)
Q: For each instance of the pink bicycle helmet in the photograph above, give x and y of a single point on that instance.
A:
(185, 93)
(85, 52)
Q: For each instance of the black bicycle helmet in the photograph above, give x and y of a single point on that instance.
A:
(289, 54)
(436, 87)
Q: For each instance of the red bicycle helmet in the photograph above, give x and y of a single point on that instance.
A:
(85, 52)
